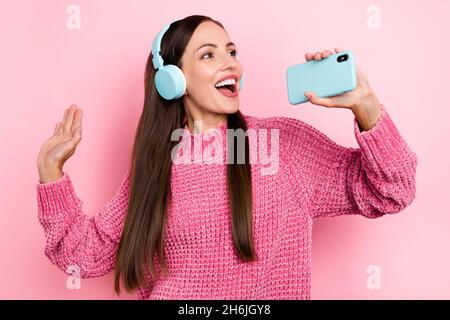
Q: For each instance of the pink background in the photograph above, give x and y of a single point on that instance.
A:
(45, 67)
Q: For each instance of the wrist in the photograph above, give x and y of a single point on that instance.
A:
(367, 111)
(49, 172)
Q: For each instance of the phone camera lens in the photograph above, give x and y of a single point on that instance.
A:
(342, 58)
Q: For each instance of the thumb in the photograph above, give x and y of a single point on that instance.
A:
(315, 99)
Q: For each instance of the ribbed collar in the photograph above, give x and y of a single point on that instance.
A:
(223, 128)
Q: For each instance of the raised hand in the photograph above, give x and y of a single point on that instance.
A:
(361, 100)
(60, 146)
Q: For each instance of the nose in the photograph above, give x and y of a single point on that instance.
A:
(229, 62)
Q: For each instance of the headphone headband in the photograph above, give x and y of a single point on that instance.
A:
(157, 60)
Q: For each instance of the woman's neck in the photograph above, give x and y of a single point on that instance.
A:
(202, 124)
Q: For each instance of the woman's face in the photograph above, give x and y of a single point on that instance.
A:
(203, 66)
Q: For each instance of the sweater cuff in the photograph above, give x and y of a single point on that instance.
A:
(383, 143)
(57, 196)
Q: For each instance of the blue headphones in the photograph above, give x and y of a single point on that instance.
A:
(169, 79)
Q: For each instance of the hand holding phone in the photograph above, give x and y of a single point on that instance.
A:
(327, 77)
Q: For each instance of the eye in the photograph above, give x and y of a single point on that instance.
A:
(210, 53)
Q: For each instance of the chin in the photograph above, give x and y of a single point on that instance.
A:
(230, 109)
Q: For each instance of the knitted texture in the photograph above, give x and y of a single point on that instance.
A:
(316, 178)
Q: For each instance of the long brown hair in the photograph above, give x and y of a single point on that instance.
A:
(142, 240)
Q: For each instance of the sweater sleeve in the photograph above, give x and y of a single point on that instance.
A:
(74, 240)
(375, 179)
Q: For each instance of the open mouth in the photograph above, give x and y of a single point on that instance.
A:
(228, 87)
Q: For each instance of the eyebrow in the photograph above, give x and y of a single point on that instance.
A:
(214, 45)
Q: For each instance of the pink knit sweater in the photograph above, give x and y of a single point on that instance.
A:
(316, 178)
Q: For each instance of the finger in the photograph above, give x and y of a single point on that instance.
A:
(317, 56)
(309, 56)
(361, 78)
(77, 135)
(58, 124)
(77, 122)
(358, 74)
(314, 99)
(338, 49)
(69, 118)
(326, 53)
(65, 116)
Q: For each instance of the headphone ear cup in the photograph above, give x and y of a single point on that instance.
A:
(170, 82)
(241, 82)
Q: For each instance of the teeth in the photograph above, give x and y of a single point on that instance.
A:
(226, 82)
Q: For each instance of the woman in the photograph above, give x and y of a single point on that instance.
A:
(220, 231)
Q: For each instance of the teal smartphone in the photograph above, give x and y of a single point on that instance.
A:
(328, 77)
